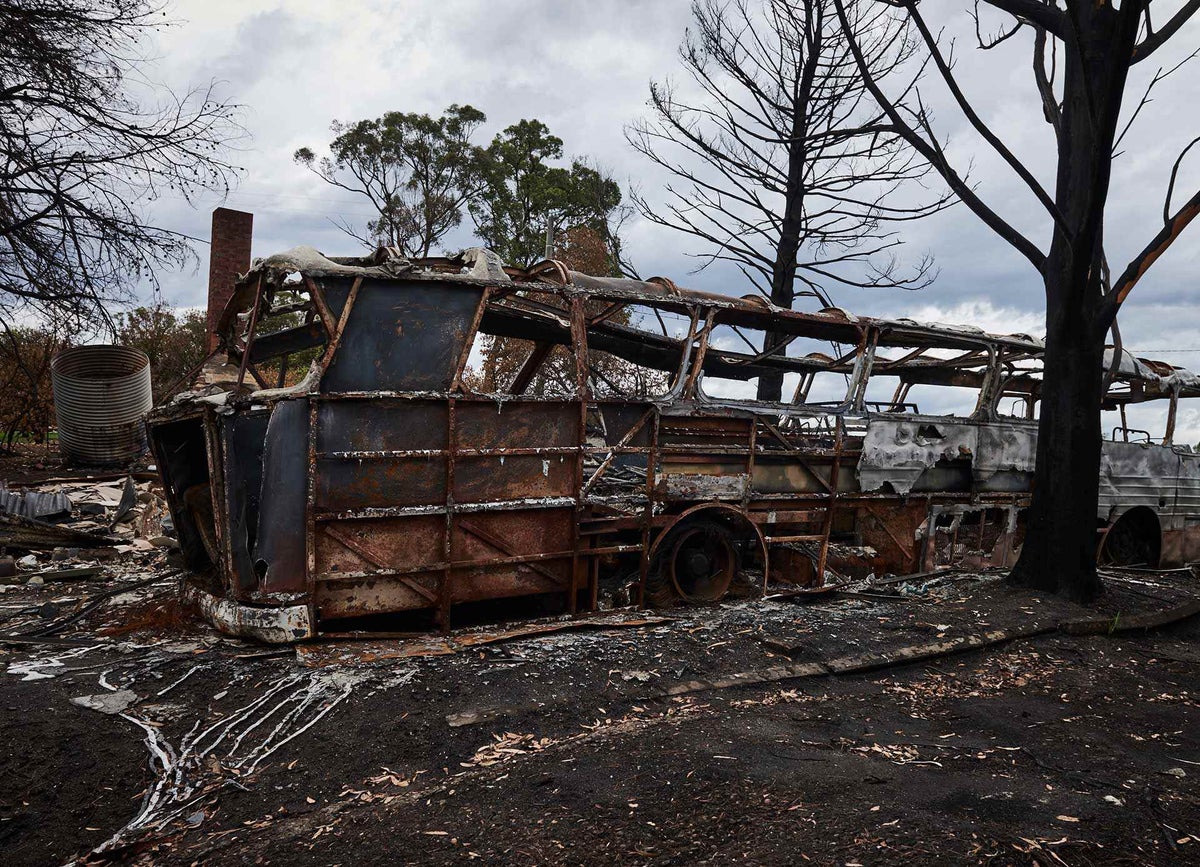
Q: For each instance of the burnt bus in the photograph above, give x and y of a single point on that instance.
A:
(457, 433)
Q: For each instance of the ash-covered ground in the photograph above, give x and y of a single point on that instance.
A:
(135, 734)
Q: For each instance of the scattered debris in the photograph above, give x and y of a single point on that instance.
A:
(110, 703)
(38, 505)
(25, 534)
(373, 649)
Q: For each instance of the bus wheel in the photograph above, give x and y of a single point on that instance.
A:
(695, 561)
(1134, 540)
(702, 562)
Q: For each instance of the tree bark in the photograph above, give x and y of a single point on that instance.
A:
(1059, 552)
(783, 272)
(783, 269)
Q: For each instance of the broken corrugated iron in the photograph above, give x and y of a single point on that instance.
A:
(37, 505)
(626, 449)
(25, 534)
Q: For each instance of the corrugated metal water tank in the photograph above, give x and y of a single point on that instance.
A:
(101, 394)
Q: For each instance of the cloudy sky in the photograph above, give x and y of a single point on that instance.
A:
(583, 69)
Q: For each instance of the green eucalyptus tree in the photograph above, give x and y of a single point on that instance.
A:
(417, 171)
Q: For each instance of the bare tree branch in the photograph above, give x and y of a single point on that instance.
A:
(1035, 12)
(977, 122)
(1156, 38)
(766, 161)
(932, 152)
(1150, 254)
(1044, 79)
(81, 157)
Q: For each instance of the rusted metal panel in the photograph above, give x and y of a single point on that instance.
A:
(373, 544)
(406, 337)
(700, 485)
(517, 424)
(778, 474)
(364, 596)
(495, 478)
(279, 551)
(381, 424)
(346, 484)
(244, 441)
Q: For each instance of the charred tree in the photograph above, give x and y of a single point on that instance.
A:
(1082, 100)
(778, 163)
(86, 145)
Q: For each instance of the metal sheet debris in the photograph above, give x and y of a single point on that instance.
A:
(39, 505)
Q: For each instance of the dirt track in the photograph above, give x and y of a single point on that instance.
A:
(1053, 749)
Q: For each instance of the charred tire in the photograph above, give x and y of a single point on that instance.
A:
(694, 562)
(1134, 540)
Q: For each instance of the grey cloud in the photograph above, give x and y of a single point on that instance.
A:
(583, 68)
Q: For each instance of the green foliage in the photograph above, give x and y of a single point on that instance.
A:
(175, 341)
(420, 173)
(26, 398)
(417, 171)
(524, 200)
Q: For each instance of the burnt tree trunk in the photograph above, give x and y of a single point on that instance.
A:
(791, 233)
(1059, 553)
(783, 272)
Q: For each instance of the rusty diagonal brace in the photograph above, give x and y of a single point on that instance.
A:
(795, 453)
(371, 557)
(612, 454)
(503, 548)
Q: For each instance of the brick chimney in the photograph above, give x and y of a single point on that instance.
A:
(228, 259)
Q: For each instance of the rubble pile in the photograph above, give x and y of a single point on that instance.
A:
(71, 546)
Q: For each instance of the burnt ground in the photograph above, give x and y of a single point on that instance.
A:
(567, 748)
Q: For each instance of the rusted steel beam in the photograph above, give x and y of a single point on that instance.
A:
(258, 297)
(828, 525)
(462, 452)
(621, 447)
(579, 337)
(515, 560)
(335, 338)
(469, 343)
(505, 549)
(446, 575)
(258, 377)
(533, 363)
(611, 311)
(689, 386)
(289, 340)
(901, 544)
(647, 515)
(796, 453)
(318, 299)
